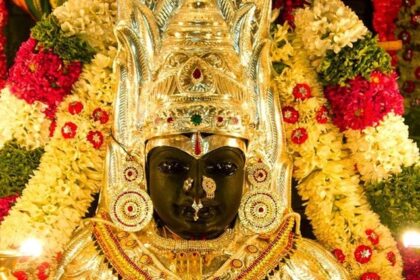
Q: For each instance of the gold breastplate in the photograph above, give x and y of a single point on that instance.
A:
(100, 251)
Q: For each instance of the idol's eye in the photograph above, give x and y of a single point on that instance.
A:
(173, 167)
(222, 168)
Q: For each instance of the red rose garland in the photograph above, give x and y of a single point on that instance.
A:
(364, 103)
(40, 75)
(3, 60)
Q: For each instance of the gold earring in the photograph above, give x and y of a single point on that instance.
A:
(209, 186)
(187, 184)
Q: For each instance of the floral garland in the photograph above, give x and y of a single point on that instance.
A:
(361, 59)
(363, 103)
(41, 75)
(22, 121)
(16, 167)
(38, 82)
(371, 147)
(383, 150)
(59, 194)
(396, 199)
(5, 205)
(384, 15)
(3, 59)
(321, 29)
(336, 206)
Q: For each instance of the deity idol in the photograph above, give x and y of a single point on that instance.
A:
(198, 181)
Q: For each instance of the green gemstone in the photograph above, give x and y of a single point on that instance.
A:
(196, 119)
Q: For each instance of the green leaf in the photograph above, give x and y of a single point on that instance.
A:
(361, 59)
(49, 35)
(16, 167)
(397, 200)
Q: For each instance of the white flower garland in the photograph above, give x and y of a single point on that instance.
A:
(26, 123)
(327, 25)
(90, 20)
(383, 150)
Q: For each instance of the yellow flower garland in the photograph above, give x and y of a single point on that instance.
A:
(59, 194)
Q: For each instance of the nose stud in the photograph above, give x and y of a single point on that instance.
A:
(196, 206)
(187, 184)
(209, 186)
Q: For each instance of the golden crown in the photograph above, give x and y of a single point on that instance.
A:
(198, 83)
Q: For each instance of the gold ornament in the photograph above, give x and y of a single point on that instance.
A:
(260, 211)
(187, 184)
(259, 174)
(209, 186)
(197, 207)
(131, 210)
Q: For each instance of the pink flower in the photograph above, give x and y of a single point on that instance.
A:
(364, 103)
(40, 75)
(43, 271)
(20, 275)
(390, 256)
(5, 204)
(322, 115)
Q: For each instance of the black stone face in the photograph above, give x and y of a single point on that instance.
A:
(169, 167)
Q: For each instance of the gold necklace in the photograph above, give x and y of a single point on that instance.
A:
(174, 245)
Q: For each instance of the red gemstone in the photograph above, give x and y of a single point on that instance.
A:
(261, 210)
(196, 73)
(197, 146)
(170, 120)
(130, 208)
(219, 119)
